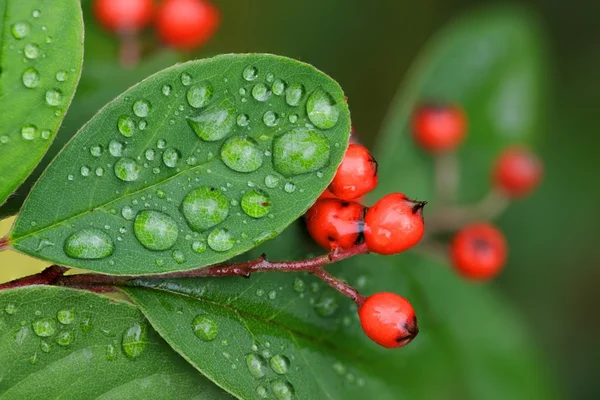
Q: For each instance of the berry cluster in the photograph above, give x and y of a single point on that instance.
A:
(181, 24)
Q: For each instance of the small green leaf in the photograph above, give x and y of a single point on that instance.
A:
(40, 65)
(62, 343)
(490, 63)
(166, 175)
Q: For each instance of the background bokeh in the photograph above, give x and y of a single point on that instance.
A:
(553, 273)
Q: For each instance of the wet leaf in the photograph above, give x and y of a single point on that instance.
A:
(42, 52)
(191, 167)
(62, 343)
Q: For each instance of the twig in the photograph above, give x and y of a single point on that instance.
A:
(49, 276)
(4, 243)
(340, 286)
(447, 178)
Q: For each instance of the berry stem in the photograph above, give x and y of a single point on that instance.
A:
(4, 243)
(340, 286)
(447, 177)
(129, 51)
(49, 276)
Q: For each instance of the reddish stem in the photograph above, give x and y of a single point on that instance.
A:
(49, 276)
(340, 286)
(4, 243)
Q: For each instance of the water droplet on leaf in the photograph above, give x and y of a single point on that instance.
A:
(126, 126)
(115, 148)
(141, 108)
(135, 340)
(242, 154)
(31, 78)
(171, 157)
(300, 151)
(279, 364)
(220, 240)
(216, 122)
(89, 244)
(205, 328)
(204, 208)
(199, 96)
(126, 169)
(65, 316)
(256, 204)
(20, 30)
(256, 365)
(29, 132)
(155, 230)
(250, 73)
(31, 51)
(44, 327)
(322, 109)
(54, 97)
(64, 338)
(282, 390)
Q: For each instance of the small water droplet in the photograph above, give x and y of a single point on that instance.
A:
(205, 328)
(96, 150)
(31, 78)
(256, 204)
(31, 51)
(215, 122)
(126, 126)
(272, 295)
(171, 157)
(339, 368)
(199, 247)
(282, 390)
(242, 154)
(260, 92)
(111, 352)
(178, 256)
(10, 308)
(294, 94)
(270, 77)
(70, 177)
(64, 338)
(260, 292)
(62, 76)
(127, 170)
(326, 305)
(20, 30)
(44, 327)
(29, 132)
(54, 97)
(155, 230)
(86, 325)
(4, 139)
(289, 187)
(128, 213)
(279, 364)
(221, 240)
(115, 148)
(36, 13)
(135, 340)
(161, 143)
(186, 79)
(204, 208)
(161, 194)
(166, 90)
(65, 316)
(243, 120)
(271, 181)
(33, 359)
(45, 346)
(270, 118)
(299, 285)
(150, 154)
(89, 244)
(250, 73)
(261, 392)
(200, 95)
(85, 170)
(300, 151)
(256, 365)
(322, 109)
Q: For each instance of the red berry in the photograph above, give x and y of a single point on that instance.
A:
(186, 24)
(327, 195)
(478, 251)
(388, 319)
(439, 129)
(124, 15)
(517, 172)
(394, 224)
(335, 223)
(356, 175)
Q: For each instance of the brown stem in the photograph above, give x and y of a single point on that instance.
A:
(340, 286)
(49, 276)
(129, 51)
(4, 243)
(447, 177)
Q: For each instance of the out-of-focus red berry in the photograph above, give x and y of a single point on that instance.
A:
(439, 129)
(186, 24)
(517, 172)
(478, 251)
(124, 15)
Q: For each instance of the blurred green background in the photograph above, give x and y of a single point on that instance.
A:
(553, 273)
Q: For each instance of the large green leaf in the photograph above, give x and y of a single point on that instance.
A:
(470, 345)
(67, 344)
(40, 65)
(489, 62)
(212, 160)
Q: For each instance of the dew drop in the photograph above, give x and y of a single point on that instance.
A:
(299, 285)
(86, 325)
(256, 365)
(171, 157)
(200, 95)
(161, 143)
(261, 392)
(271, 181)
(204, 208)
(256, 204)
(250, 73)
(31, 78)
(300, 151)
(127, 170)
(155, 230)
(326, 305)
(65, 316)
(96, 150)
(161, 194)
(294, 94)
(64, 338)
(150, 154)
(199, 247)
(278, 87)
(10, 308)
(126, 126)
(141, 108)
(243, 120)
(270, 77)
(242, 154)
(220, 240)
(85, 170)
(89, 244)
(186, 79)
(45, 346)
(20, 30)
(205, 328)
(178, 256)
(272, 295)
(289, 187)
(4, 139)
(44, 327)
(134, 340)
(322, 110)
(31, 51)
(61, 76)
(279, 364)
(260, 92)
(128, 213)
(36, 13)
(270, 118)
(33, 359)
(111, 352)
(29, 132)
(216, 122)
(339, 368)
(54, 97)
(166, 90)
(115, 148)
(282, 390)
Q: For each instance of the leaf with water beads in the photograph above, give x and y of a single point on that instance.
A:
(42, 53)
(48, 335)
(218, 166)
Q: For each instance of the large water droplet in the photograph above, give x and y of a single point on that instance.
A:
(200, 95)
(242, 154)
(256, 365)
(126, 169)
(279, 364)
(29, 132)
(54, 97)
(326, 305)
(256, 204)
(31, 78)
(300, 151)
(44, 327)
(155, 230)
(278, 87)
(282, 390)
(220, 240)
(216, 122)
(115, 148)
(31, 51)
(64, 338)
(204, 208)
(260, 92)
(141, 108)
(135, 340)
(171, 157)
(322, 109)
(294, 94)
(20, 30)
(89, 244)
(250, 73)
(65, 316)
(205, 328)
(126, 126)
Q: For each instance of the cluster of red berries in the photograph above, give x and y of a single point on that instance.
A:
(182, 24)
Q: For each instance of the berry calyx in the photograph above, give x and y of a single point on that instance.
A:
(186, 24)
(356, 175)
(124, 15)
(388, 319)
(334, 223)
(517, 172)
(478, 251)
(439, 128)
(394, 224)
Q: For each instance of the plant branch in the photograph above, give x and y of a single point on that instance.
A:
(3, 243)
(340, 286)
(447, 178)
(49, 276)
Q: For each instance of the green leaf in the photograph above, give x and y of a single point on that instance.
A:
(193, 168)
(489, 62)
(40, 65)
(68, 344)
(470, 344)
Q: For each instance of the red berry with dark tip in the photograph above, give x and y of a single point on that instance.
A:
(517, 172)
(478, 251)
(388, 319)
(124, 15)
(334, 223)
(394, 224)
(439, 129)
(186, 24)
(356, 175)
